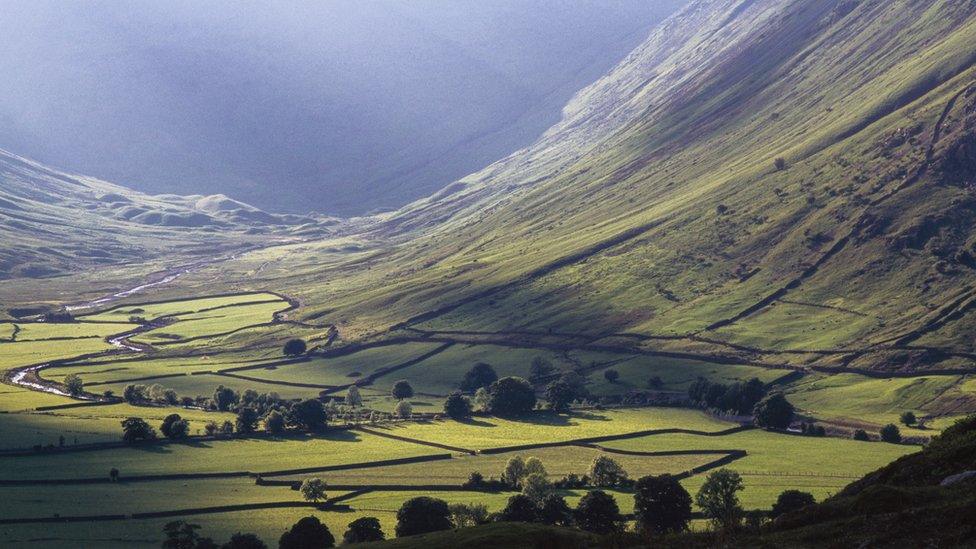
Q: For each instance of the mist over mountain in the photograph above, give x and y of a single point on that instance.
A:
(341, 107)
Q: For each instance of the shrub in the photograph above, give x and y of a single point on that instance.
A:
(907, 418)
(175, 427)
(606, 472)
(789, 501)
(773, 412)
(779, 163)
(364, 529)
(313, 489)
(861, 434)
(73, 384)
(718, 498)
(294, 347)
(598, 512)
(611, 375)
(536, 487)
(135, 429)
(890, 433)
(421, 515)
(480, 375)
(307, 532)
(520, 508)
(465, 515)
(457, 406)
(402, 389)
(661, 505)
(403, 410)
(511, 396)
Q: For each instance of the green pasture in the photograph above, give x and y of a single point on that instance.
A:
(204, 385)
(152, 311)
(789, 326)
(210, 323)
(23, 353)
(142, 366)
(776, 462)
(676, 374)
(14, 399)
(46, 330)
(481, 433)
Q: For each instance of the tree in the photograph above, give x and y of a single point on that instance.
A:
(134, 394)
(403, 409)
(457, 406)
(421, 515)
(890, 433)
(598, 512)
(789, 501)
(175, 427)
(536, 487)
(363, 530)
(661, 505)
(182, 535)
(308, 415)
(779, 163)
(773, 412)
(606, 472)
(577, 382)
(294, 347)
(211, 428)
(514, 471)
(533, 466)
(224, 398)
(482, 398)
(227, 428)
(655, 383)
(307, 533)
(480, 375)
(73, 384)
(861, 435)
(274, 422)
(247, 420)
(402, 389)
(464, 515)
(520, 508)
(244, 541)
(555, 511)
(540, 367)
(719, 500)
(353, 398)
(135, 429)
(510, 396)
(907, 418)
(313, 489)
(611, 375)
(560, 395)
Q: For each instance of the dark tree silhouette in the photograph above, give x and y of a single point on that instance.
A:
(661, 505)
(789, 501)
(611, 375)
(175, 427)
(294, 347)
(598, 512)
(510, 396)
(362, 530)
(773, 412)
(422, 514)
(247, 420)
(480, 375)
(520, 508)
(307, 533)
(224, 398)
(244, 541)
(554, 510)
(890, 433)
(402, 390)
(560, 395)
(308, 415)
(457, 406)
(135, 429)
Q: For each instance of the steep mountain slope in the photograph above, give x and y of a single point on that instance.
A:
(56, 223)
(785, 175)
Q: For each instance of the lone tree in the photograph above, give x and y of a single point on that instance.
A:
(421, 515)
(598, 512)
(73, 384)
(907, 418)
(457, 406)
(511, 396)
(480, 375)
(606, 472)
(294, 347)
(224, 398)
(313, 489)
(611, 375)
(789, 501)
(364, 529)
(719, 500)
(135, 429)
(308, 415)
(274, 422)
(353, 398)
(244, 541)
(773, 412)
(560, 395)
(247, 420)
(514, 471)
(175, 427)
(520, 508)
(661, 505)
(890, 433)
(402, 390)
(307, 533)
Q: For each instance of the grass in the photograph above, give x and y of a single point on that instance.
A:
(24, 353)
(481, 433)
(210, 323)
(151, 311)
(127, 368)
(675, 374)
(44, 330)
(776, 462)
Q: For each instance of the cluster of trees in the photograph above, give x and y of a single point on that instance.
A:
(307, 533)
(530, 476)
(739, 398)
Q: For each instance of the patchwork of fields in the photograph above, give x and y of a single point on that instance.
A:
(220, 483)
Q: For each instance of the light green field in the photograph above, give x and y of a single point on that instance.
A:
(204, 385)
(45, 330)
(25, 353)
(676, 374)
(152, 311)
(788, 326)
(872, 402)
(15, 399)
(209, 323)
(776, 462)
(141, 367)
(481, 433)
(251, 455)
